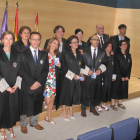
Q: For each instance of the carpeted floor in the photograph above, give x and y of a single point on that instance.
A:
(64, 130)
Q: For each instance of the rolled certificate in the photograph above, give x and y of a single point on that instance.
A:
(93, 76)
(56, 61)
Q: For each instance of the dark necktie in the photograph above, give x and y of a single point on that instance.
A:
(35, 57)
(93, 60)
(101, 42)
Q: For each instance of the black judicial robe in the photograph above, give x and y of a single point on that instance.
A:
(19, 46)
(84, 45)
(9, 103)
(91, 89)
(122, 68)
(107, 80)
(115, 43)
(32, 100)
(71, 89)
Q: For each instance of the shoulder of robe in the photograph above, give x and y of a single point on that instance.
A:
(126, 38)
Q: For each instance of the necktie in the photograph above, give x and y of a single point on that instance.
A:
(35, 57)
(101, 42)
(94, 57)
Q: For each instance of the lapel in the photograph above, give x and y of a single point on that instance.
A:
(98, 56)
(29, 54)
(64, 43)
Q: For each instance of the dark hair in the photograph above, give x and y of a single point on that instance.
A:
(68, 42)
(122, 26)
(21, 30)
(78, 30)
(48, 47)
(121, 41)
(35, 33)
(106, 44)
(57, 27)
(6, 33)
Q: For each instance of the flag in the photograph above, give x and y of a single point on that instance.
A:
(4, 26)
(36, 21)
(15, 29)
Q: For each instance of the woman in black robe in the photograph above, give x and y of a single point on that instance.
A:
(122, 70)
(71, 65)
(82, 44)
(52, 87)
(9, 83)
(23, 39)
(107, 76)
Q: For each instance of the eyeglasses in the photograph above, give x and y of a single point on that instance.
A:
(95, 39)
(74, 42)
(35, 39)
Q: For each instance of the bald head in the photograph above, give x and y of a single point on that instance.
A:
(100, 29)
(94, 40)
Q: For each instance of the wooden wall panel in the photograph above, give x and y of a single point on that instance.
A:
(131, 18)
(69, 14)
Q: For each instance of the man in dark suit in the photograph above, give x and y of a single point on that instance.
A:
(100, 33)
(34, 72)
(59, 33)
(121, 36)
(94, 62)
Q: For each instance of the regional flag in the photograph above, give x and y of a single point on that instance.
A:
(15, 29)
(36, 21)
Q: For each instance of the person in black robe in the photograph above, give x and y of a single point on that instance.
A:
(9, 84)
(71, 88)
(122, 70)
(121, 36)
(34, 73)
(94, 62)
(59, 33)
(52, 87)
(82, 44)
(107, 76)
(23, 39)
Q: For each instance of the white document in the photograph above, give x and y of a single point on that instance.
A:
(70, 75)
(86, 71)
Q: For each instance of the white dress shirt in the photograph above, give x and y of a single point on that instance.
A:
(100, 38)
(92, 51)
(60, 47)
(33, 53)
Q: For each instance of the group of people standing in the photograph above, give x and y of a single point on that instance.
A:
(64, 73)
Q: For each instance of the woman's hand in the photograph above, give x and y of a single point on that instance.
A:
(126, 78)
(58, 64)
(75, 77)
(123, 79)
(40, 49)
(82, 77)
(14, 88)
(9, 89)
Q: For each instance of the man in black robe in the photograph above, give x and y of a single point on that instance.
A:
(100, 33)
(121, 36)
(34, 73)
(94, 62)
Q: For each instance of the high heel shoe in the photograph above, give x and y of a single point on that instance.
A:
(72, 117)
(3, 137)
(12, 135)
(66, 119)
(51, 122)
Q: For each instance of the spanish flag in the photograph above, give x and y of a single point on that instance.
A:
(36, 21)
(15, 29)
